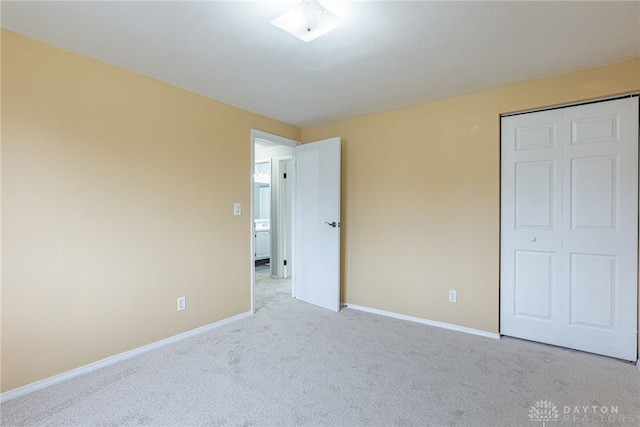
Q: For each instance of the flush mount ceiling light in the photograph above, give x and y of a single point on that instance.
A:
(307, 21)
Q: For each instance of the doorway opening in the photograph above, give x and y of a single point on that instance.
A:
(272, 159)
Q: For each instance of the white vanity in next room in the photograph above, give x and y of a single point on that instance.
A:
(262, 211)
(263, 239)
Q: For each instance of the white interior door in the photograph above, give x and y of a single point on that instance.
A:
(531, 237)
(316, 245)
(569, 227)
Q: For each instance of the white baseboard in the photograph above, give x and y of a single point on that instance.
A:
(423, 321)
(39, 385)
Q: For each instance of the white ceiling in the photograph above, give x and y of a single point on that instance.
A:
(387, 54)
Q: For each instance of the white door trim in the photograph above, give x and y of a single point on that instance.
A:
(571, 104)
(258, 134)
(283, 225)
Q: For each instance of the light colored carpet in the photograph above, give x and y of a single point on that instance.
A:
(295, 364)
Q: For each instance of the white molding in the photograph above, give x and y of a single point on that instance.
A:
(571, 104)
(282, 225)
(47, 382)
(277, 139)
(442, 325)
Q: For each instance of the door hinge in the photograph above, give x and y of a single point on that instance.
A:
(285, 175)
(285, 262)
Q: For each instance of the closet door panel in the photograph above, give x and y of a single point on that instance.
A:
(569, 227)
(600, 227)
(530, 230)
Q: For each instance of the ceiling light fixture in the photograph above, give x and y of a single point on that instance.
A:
(307, 21)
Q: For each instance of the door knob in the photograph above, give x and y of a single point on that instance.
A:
(333, 224)
(533, 239)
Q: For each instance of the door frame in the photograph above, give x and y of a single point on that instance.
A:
(547, 108)
(283, 248)
(279, 140)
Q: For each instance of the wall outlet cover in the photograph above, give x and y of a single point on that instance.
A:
(453, 296)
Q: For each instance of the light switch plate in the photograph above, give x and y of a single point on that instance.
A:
(237, 209)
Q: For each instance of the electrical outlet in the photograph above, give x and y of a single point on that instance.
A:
(452, 296)
(182, 303)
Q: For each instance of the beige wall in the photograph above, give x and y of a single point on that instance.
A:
(117, 195)
(421, 195)
(117, 198)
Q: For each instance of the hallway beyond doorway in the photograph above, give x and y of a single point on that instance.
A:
(269, 290)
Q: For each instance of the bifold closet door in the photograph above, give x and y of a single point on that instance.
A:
(569, 227)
